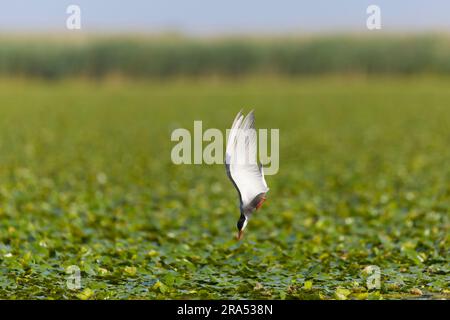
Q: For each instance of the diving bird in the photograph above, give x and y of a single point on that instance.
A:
(243, 169)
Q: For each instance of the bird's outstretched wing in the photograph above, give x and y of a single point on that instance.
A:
(241, 159)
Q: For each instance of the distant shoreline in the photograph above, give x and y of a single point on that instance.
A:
(166, 56)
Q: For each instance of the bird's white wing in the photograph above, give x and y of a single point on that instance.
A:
(241, 159)
(232, 138)
(230, 149)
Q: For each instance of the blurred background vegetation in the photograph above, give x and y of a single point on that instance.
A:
(168, 56)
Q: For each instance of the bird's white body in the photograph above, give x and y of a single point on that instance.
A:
(242, 164)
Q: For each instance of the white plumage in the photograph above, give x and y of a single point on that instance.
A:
(242, 164)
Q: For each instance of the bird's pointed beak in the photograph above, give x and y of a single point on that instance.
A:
(240, 234)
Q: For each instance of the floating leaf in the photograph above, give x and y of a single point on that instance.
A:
(342, 293)
(85, 294)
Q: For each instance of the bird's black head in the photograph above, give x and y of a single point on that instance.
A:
(241, 224)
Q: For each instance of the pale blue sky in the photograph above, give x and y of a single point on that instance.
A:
(230, 16)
